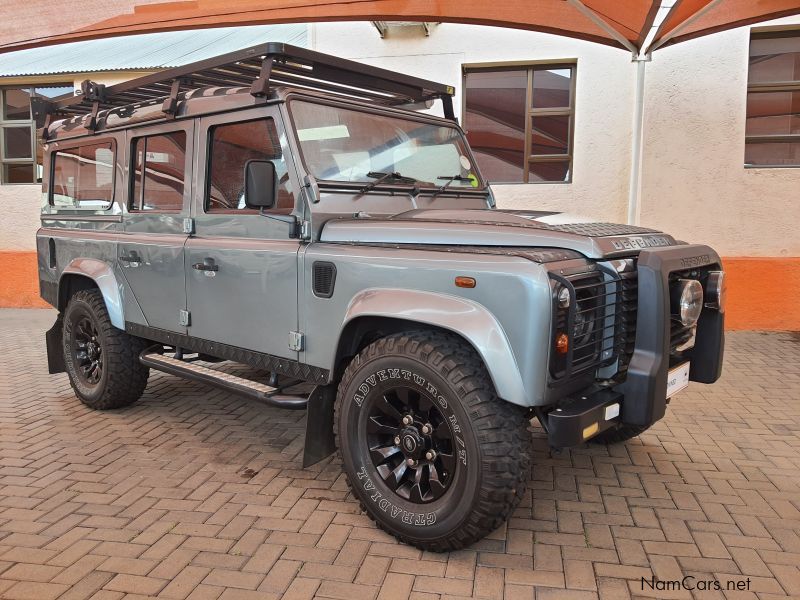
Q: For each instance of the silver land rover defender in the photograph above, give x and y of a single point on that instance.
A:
(303, 215)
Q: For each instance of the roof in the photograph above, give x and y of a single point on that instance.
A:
(150, 51)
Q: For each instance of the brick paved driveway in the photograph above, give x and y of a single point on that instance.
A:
(194, 493)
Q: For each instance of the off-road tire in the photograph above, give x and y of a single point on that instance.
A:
(616, 435)
(123, 377)
(496, 440)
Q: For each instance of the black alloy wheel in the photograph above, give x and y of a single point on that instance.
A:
(432, 454)
(411, 444)
(87, 351)
(102, 361)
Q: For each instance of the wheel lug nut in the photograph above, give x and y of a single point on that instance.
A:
(408, 420)
(397, 440)
(426, 429)
(430, 455)
(411, 462)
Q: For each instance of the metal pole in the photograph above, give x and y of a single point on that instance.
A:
(637, 139)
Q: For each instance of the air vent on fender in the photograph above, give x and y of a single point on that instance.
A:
(324, 278)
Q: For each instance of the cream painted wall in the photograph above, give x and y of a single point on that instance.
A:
(694, 182)
(20, 206)
(604, 92)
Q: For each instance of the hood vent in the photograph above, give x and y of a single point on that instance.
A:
(324, 278)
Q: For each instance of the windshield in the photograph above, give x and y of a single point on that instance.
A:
(340, 144)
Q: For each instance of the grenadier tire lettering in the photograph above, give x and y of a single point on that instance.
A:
(490, 446)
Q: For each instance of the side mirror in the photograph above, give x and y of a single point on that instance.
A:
(260, 184)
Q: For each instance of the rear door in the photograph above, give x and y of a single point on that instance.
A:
(241, 266)
(151, 255)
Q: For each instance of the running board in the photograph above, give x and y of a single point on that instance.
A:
(232, 383)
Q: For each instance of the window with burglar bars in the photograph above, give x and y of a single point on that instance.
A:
(20, 153)
(520, 120)
(772, 133)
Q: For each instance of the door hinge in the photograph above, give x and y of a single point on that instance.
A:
(188, 226)
(184, 318)
(296, 340)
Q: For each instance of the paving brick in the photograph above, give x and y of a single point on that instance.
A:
(28, 590)
(151, 499)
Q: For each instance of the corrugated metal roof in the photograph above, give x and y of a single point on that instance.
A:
(147, 51)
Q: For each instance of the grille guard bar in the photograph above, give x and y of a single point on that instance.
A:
(645, 388)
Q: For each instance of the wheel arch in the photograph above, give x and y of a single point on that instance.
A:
(375, 313)
(88, 273)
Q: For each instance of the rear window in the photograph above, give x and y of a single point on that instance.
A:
(83, 177)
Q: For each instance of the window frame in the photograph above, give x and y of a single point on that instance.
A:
(132, 170)
(30, 123)
(531, 112)
(769, 87)
(71, 146)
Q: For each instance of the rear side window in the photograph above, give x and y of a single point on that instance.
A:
(158, 172)
(230, 147)
(83, 177)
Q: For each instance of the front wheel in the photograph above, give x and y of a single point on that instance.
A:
(434, 457)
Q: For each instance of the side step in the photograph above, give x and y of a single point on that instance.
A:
(232, 383)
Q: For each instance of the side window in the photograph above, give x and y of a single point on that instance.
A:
(230, 147)
(158, 171)
(83, 177)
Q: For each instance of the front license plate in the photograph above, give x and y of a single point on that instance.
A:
(677, 379)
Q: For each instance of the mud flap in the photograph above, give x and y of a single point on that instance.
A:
(55, 350)
(320, 442)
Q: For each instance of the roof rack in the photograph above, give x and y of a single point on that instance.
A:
(258, 68)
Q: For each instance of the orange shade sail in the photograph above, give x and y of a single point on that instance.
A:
(620, 23)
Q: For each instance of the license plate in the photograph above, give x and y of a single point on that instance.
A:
(677, 379)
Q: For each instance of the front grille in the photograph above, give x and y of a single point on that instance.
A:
(628, 306)
(588, 322)
(601, 319)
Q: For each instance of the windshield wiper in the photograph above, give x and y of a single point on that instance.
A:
(451, 179)
(381, 177)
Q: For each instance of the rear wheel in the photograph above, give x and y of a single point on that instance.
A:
(435, 458)
(102, 361)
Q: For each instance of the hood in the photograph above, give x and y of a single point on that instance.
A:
(495, 227)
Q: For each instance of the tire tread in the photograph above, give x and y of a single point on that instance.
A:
(127, 377)
(501, 430)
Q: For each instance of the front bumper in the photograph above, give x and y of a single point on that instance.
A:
(642, 397)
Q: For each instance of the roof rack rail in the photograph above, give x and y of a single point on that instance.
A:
(257, 67)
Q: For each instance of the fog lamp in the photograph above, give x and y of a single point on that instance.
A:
(687, 301)
(716, 289)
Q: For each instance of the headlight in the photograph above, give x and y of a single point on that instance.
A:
(716, 290)
(687, 301)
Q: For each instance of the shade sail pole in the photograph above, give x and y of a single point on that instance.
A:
(637, 145)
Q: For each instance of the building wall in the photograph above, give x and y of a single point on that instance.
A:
(694, 184)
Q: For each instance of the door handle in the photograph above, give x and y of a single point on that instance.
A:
(133, 258)
(206, 265)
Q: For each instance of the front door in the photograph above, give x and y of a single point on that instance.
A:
(151, 257)
(241, 266)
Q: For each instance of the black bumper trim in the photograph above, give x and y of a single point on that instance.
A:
(565, 425)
